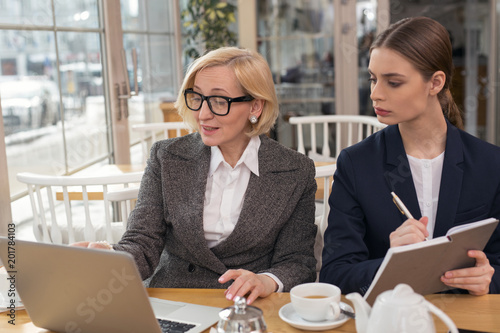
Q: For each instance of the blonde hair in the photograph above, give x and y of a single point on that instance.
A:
(254, 77)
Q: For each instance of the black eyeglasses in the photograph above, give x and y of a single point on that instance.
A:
(219, 105)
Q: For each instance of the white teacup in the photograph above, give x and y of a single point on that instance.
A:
(316, 301)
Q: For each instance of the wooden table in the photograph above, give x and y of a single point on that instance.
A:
(170, 114)
(469, 312)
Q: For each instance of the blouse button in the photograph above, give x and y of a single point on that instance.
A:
(191, 268)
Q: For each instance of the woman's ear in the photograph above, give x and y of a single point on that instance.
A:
(257, 107)
(437, 81)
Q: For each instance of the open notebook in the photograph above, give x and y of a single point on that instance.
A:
(72, 289)
(421, 265)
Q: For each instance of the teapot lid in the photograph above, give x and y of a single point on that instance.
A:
(240, 311)
(402, 294)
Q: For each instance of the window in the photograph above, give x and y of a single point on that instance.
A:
(148, 28)
(51, 87)
(296, 37)
(55, 82)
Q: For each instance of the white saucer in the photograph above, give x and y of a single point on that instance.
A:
(287, 314)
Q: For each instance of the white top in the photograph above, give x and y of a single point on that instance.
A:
(225, 193)
(427, 180)
(226, 187)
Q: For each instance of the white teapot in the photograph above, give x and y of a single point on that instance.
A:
(397, 310)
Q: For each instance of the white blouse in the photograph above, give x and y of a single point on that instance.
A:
(225, 193)
(427, 180)
(226, 187)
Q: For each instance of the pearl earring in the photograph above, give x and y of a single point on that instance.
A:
(253, 119)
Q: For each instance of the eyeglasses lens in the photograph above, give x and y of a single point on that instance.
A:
(193, 100)
(217, 105)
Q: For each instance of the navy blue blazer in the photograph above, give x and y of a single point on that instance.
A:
(363, 214)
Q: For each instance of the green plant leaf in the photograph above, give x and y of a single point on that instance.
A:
(207, 25)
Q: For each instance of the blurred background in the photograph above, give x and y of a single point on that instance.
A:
(63, 65)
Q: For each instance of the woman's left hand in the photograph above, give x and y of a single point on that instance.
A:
(474, 279)
(258, 285)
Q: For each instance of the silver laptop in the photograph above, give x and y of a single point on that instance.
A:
(72, 289)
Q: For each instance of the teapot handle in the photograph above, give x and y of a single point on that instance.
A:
(443, 316)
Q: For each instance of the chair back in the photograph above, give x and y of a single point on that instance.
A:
(126, 199)
(68, 209)
(347, 130)
(324, 178)
(152, 132)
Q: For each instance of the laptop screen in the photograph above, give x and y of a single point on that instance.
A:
(73, 289)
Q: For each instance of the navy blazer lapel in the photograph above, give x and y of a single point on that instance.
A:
(451, 182)
(398, 172)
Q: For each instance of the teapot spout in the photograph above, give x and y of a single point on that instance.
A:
(362, 310)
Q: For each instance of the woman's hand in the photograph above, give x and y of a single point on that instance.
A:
(410, 232)
(474, 279)
(94, 245)
(258, 285)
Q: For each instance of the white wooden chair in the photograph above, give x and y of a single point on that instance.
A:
(126, 199)
(68, 209)
(349, 129)
(152, 132)
(324, 176)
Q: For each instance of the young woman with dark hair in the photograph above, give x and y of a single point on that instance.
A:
(445, 176)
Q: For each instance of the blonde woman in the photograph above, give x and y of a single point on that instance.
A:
(226, 206)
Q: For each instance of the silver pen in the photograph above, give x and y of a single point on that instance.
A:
(401, 206)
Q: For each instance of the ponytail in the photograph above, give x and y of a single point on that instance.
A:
(451, 110)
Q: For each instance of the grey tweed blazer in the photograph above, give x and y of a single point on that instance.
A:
(275, 232)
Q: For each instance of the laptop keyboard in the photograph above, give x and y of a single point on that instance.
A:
(168, 326)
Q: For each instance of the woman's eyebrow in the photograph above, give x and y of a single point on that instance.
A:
(387, 74)
(213, 91)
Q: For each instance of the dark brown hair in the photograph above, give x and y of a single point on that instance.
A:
(426, 44)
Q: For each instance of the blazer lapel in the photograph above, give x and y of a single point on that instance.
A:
(399, 179)
(451, 182)
(265, 199)
(398, 172)
(188, 170)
